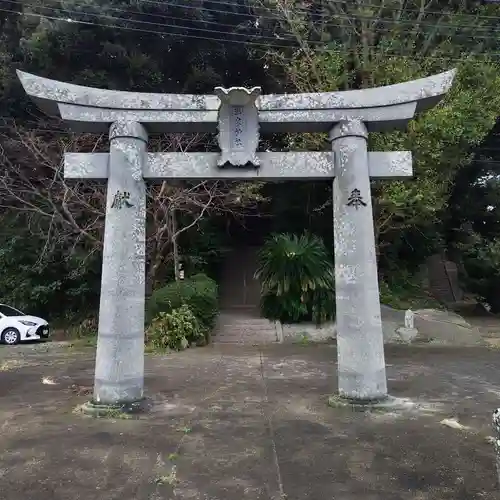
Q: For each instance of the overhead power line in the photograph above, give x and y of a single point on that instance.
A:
(254, 17)
(365, 5)
(346, 16)
(264, 42)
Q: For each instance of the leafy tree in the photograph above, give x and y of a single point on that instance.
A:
(297, 279)
(127, 45)
(51, 282)
(348, 45)
(480, 264)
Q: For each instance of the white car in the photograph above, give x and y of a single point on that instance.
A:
(16, 326)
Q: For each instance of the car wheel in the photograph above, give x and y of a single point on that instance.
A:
(11, 336)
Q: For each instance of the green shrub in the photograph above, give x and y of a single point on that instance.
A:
(481, 269)
(87, 328)
(403, 290)
(298, 279)
(198, 292)
(174, 330)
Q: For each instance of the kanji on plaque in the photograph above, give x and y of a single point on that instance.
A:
(355, 199)
(121, 199)
(237, 128)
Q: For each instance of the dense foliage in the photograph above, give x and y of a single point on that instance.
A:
(297, 277)
(175, 330)
(481, 269)
(198, 293)
(42, 280)
(51, 231)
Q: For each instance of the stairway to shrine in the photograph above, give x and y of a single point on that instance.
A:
(239, 321)
(243, 327)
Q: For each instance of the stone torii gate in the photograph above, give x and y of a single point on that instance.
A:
(238, 114)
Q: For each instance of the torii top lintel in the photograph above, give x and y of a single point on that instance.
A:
(86, 109)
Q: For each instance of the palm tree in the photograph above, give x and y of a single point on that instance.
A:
(297, 278)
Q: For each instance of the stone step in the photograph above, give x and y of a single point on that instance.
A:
(242, 320)
(242, 337)
(223, 337)
(246, 341)
(244, 327)
(230, 334)
(244, 333)
(251, 328)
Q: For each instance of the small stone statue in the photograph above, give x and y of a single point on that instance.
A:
(409, 316)
(496, 443)
(408, 332)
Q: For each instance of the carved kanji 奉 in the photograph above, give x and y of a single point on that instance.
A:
(238, 114)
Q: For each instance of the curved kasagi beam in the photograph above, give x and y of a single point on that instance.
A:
(426, 92)
(87, 109)
(48, 93)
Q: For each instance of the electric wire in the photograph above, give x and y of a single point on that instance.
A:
(222, 40)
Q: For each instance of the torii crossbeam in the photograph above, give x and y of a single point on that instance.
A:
(238, 114)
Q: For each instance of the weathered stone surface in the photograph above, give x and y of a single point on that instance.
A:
(496, 440)
(89, 166)
(93, 110)
(436, 327)
(446, 328)
(308, 331)
(360, 341)
(392, 320)
(273, 166)
(119, 374)
(243, 329)
(393, 329)
(407, 335)
(432, 326)
(238, 126)
(360, 337)
(425, 91)
(390, 164)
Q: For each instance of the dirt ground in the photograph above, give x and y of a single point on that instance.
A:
(249, 423)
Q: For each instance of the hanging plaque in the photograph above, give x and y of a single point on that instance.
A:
(238, 126)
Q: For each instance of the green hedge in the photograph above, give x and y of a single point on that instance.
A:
(198, 292)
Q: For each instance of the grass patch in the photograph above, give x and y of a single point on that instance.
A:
(110, 413)
(406, 293)
(149, 348)
(303, 339)
(83, 342)
(91, 341)
(170, 479)
(12, 364)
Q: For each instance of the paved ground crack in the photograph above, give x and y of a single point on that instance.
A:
(270, 428)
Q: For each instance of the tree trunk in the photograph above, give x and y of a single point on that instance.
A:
(175, 247)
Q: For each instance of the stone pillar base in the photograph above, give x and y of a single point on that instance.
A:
(124, 410)
(496, 442)
(387, 403)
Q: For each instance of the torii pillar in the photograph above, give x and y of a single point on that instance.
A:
(238, 114)
(360, 339)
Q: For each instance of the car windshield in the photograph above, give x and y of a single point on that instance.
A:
(10, 311)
